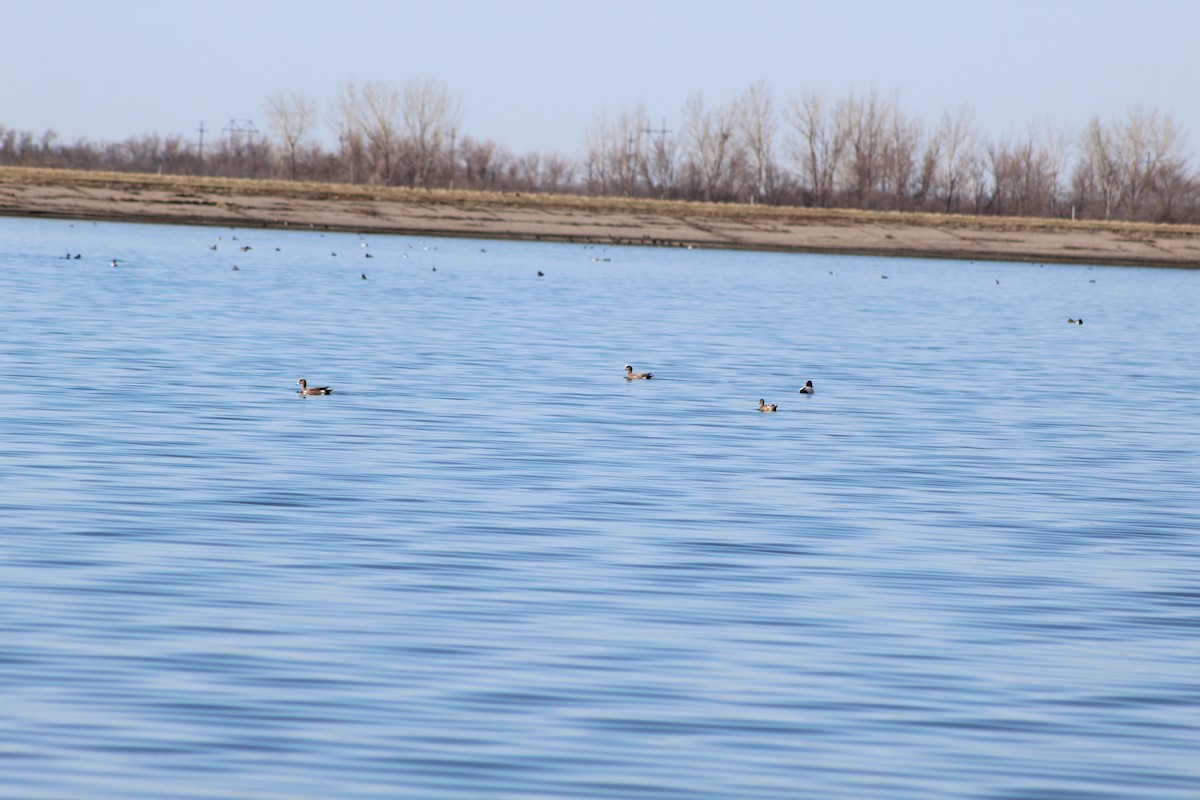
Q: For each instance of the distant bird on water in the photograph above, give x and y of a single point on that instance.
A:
(1075, 321)
(631, 375)
(807, 388)
(308, 390)
(764, 406)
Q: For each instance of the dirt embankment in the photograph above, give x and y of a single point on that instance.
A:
(207, 201)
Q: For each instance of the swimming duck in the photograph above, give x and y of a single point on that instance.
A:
(306, 389)
(764, 406)
(1075, 321)
(807, 388)
(631, 375)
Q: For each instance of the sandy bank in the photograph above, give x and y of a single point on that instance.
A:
(170, 199)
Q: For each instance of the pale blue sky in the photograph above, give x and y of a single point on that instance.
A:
(534, 74)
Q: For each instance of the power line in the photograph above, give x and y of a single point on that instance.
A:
(660, 132)
(238, 128)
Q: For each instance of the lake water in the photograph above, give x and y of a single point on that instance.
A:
(489, 567)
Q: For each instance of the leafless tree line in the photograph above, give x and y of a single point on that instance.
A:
(857, 151)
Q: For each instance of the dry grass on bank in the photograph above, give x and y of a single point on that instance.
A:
(308, 190)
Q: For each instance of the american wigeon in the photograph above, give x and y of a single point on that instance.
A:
(807, 388)
(631, 375)
(764, 406)
(306, 389)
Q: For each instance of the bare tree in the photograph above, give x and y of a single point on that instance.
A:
(1025, 173)
(484, 163)
(430, 117)
(1179, 195)
(818, 146)
(600, 179)
(661, 164)
(863, 123)
(900, 174)
(957, 145)
(369, 124)
(1150, 144)
(757, 128)
(615, 156)
(710, 147)
(291, 117)
(1097, 178)
(558, 172)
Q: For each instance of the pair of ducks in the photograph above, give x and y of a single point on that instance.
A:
(763, 405)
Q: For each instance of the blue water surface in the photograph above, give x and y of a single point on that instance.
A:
(489, 567)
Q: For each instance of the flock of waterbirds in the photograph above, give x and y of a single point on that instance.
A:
(630, 375)
(763, 405)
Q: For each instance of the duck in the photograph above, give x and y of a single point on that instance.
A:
(1072, 321)
(765, 406)
(631, 375)
(807, 388)
(305, 389)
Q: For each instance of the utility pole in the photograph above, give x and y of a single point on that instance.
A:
(237, 128)
(630, 166)
(660, 132)
(659, 155)
(201, 148)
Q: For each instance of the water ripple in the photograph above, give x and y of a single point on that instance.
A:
(487, 566)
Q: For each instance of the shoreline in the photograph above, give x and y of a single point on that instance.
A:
(121, 197)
